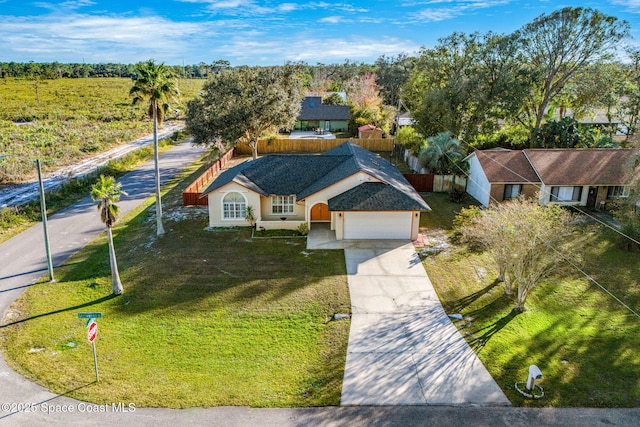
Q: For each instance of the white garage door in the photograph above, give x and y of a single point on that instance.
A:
(377, 225)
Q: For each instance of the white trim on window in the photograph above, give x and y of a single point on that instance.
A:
(283, 205)
(617, 192)
(511, 191)
(566, 193)
(234, 206)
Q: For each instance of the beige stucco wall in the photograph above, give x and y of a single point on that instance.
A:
(266, 215)
(415, 224)
(215, 205)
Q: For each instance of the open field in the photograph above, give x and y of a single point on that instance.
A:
(207, 318)
(584, 341)
(69, 119)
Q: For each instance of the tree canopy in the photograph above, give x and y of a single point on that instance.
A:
(471, 84)
(524, 238)
(240, 104)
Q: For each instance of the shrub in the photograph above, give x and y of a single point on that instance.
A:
(303, 229)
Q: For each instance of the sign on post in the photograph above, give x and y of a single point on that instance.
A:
(92, 331)
(91, 315)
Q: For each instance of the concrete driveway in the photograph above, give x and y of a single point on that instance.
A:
(403, 349)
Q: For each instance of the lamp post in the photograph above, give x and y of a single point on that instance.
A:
(43, 212)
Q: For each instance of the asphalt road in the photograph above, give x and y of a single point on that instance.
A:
(23, 403)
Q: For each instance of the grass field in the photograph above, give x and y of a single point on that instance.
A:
(69, 119)
(16, 219)
(207, 318)
(584, 341)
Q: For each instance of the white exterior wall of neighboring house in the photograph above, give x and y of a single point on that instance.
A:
(216, 210)
(478, 186)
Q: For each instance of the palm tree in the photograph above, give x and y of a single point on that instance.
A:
(107, 192)
(155, 84)
(443, 155)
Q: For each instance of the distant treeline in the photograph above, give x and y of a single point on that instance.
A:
(54, 70)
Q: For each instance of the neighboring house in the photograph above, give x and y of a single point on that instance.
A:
(360, 195)
(404, 119)
(599, 119)
(315, 115)
(582, 177)
(369, 132)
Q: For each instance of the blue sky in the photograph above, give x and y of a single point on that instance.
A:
(257, 32)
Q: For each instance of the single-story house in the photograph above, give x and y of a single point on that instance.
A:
(568, 176)
(369, 132)
(316, 115)
(359, 194)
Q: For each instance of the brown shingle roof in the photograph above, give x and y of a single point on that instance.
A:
(501, 166)
(591, 166)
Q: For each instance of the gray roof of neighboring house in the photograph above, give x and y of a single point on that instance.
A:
(374, 196)
(314, 109)
(305, 174)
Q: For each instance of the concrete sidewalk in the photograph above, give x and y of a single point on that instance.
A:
(403, 349)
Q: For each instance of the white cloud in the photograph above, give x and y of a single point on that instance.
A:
(332, 19)
(95, 38)
(633, 5)
(65, 6)
(456, 8)
(287, 7)
(276, 51)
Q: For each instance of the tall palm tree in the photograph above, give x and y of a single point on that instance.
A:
(155, 84)
(107, 192)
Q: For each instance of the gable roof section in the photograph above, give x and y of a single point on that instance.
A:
(588, 166)
(303, 175)
(314, 109)
(362, 160)
(374, 196)
(502, 166)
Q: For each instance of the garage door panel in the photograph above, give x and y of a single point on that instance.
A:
(377, 225)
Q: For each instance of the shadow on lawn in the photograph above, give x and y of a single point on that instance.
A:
(484, 335)
(464, 302)
(62, 310)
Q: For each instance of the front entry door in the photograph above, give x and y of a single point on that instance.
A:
(593, 196)
(320, 212)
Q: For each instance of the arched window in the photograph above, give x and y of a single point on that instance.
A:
(234, 206)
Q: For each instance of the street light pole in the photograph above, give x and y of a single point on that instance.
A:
(43, 211)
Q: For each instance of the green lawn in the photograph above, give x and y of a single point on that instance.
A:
(585, 343)
(207, 318)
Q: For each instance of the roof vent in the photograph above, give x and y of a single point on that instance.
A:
(312, 104)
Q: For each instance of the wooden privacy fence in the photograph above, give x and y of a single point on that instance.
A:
(191, 194)
(428, 182)
(308, 145)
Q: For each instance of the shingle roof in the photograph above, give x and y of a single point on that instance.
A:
(502, 166)
(557, 166)
(305, 174)
(374, 196)
(589, 166)
(314, 109)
